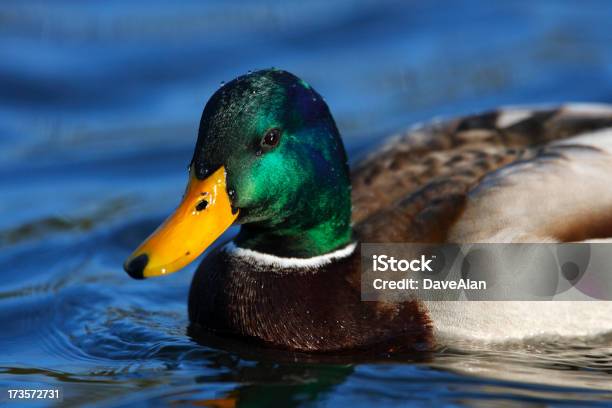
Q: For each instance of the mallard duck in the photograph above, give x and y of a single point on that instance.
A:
(269, 157)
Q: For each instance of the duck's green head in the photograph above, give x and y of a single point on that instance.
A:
(268, 157)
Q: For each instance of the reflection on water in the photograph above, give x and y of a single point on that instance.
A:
(99, 107)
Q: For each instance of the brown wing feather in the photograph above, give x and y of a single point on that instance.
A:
(414, 187)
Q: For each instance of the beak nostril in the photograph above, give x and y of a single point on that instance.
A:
(201, 205)
(135, 267)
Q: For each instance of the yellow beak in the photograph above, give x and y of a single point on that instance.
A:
(203, 215)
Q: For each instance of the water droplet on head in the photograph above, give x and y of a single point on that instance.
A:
(222, 83)
(314, 99)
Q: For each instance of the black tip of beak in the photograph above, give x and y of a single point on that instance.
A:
(136, 266)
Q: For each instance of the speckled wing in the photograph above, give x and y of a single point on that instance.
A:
(505, 175)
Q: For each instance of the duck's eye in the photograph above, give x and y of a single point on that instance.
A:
(270, 139)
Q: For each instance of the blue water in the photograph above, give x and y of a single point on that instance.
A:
(99, 108)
